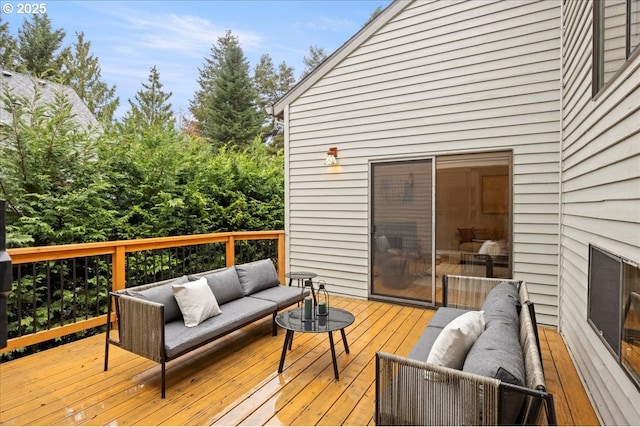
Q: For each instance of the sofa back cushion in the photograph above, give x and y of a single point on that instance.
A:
(256, 276)
(163, 294)
(502, 305)
(497, 352)
(225, 284)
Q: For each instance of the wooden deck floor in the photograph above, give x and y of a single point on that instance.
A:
(234, 381)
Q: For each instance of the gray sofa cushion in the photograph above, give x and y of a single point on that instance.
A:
(163, 294)
(421, 350)
(502, 305)
(236, 313)
(497, 353)
(497, 347)
(284, 296)
(256, 276)
(444, 315)
(225, 285)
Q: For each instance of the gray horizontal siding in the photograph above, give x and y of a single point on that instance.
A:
(440, 77)
(600, 204)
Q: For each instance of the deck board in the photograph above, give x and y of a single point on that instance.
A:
(234, 380)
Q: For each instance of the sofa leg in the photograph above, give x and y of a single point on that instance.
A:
(162, 393)
(106, 355)
(107, 338)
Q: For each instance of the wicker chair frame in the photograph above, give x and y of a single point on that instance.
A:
(410, 392)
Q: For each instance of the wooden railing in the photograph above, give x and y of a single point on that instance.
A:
(116, 254)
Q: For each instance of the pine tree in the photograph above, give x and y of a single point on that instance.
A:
(81, 71)
(151, 108)
(374, 15)
(8, 48)
(271, 86)
(38, 46)
(316, 56)
(225, 106)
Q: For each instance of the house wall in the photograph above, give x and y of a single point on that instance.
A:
(441, 77)
(600, 203)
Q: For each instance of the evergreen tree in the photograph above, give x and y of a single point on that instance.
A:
(48, 176)
(151, 108)
(225, 106)
(38, 46)
(272, 85)
(316, 56)
(373, 15)
(8, 48)
(81, 71)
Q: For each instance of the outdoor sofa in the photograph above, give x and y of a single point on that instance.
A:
(165, 320)
(498, 378)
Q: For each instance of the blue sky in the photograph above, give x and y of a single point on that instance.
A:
(129, 37)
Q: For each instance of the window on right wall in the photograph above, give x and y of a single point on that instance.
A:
(614, 307)
(616, 37)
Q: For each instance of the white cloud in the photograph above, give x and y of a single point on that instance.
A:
(324, 23)
(187, 34)
(176, 44)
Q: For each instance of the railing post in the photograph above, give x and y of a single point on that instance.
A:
(119, 271)
(281, 258)
(230, 251)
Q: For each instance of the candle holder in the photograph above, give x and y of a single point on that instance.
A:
(307, 312)
(323, 299)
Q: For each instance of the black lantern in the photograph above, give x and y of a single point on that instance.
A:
(322, 299)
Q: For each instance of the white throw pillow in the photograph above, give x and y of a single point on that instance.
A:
(196, 301)
(455, 340)
(484, 249)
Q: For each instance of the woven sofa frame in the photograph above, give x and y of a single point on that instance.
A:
(149, 341)
(411, 392)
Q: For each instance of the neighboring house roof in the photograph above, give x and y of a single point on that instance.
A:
(336, 57)
(23, 85)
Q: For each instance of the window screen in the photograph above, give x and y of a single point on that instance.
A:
(605, 277)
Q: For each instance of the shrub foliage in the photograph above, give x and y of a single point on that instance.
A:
(67, 184)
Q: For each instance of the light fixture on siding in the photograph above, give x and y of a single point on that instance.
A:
(332, 154)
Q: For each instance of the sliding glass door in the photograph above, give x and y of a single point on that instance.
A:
(436, 216)
(473, 214)
(402, 230)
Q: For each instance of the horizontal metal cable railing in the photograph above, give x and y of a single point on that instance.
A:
(61, 290)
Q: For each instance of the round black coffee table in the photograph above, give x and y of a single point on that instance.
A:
(335, 319)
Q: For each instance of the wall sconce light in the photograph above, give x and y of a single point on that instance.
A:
(332, 154)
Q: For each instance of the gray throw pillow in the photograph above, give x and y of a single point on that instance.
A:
(225, 285)
(258, 275)
(163, 294)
